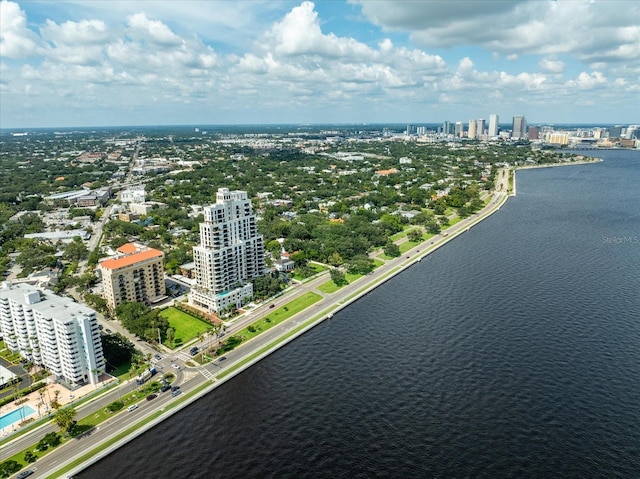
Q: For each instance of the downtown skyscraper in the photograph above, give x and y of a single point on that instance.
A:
(230, 254)
(493, 126)
(519, 127)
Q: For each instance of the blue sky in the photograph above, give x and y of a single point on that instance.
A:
(102, 63)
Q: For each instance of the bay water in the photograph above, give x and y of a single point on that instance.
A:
(513, 351)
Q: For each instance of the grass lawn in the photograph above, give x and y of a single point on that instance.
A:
(377, 263)
(122, 371)
(407, 245)
(279, 315)
(454, 221)
(318, 268)
(186, 326)
(87, 423)
(331, 287)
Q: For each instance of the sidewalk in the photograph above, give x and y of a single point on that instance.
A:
(37, 404)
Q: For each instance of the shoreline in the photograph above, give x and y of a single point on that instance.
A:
(360, 288)
(568, 163)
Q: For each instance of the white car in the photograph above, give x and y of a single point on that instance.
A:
(175, 366)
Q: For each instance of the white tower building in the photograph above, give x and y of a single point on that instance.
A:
(472, 130)
(493, 126)
(230, 255)
(52, 331)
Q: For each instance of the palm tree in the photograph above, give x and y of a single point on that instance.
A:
(65, 419)
(55, 404)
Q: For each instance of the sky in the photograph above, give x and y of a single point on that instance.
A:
(79, 63)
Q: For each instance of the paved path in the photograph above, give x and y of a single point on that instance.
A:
(191, 378)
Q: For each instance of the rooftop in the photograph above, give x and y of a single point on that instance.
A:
(132, 258)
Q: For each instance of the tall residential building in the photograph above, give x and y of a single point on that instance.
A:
(519, 127)
(136, 273)
(446, 127)
(230, 255)
(493, 126)
(51, 331)
(472, 130)
(480, 127)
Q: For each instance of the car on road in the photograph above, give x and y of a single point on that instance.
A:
(151, 396)
(108, 331)
(166, 387)
(158, 357)
(272, 306)
(175, 393)
(223, 358)
(175, 388)
(24, 474)
(175, 366)
(194, 350)
(133, 407)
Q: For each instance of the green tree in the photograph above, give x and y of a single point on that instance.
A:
(360, 265)
(9, 467)
(65, 419)
(338, 277)
(30, 457)
(335, 259)
(170, 336)
(415, 235)
(433, 228)
(392, 249)
(76, 250)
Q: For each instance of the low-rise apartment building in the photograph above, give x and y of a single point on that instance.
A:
(136, 273)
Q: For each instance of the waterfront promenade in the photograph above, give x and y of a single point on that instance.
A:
(198, 381)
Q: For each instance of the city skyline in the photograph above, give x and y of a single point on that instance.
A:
(79, 64)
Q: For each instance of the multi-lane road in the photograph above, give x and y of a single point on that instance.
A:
(190, 378)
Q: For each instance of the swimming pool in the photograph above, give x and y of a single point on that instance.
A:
(16, 416)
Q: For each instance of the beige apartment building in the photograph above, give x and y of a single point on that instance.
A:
(136, 273)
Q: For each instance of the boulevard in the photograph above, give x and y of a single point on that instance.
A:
(217, 372)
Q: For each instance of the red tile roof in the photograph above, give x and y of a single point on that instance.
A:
(128, 248)
(131, 259)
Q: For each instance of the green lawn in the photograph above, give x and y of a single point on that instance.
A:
(186, 326)
(331, 287)
(454, 221)
(318, 268)
(13, 358)
(279, 315)
(407, 245)
(122, 371)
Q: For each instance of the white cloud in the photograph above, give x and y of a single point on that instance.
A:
(593, 31)
(143, 57)
(299, 33)
(588, 80)
(551, 65)
(153, 30)
(72, 33)
(16, 40)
